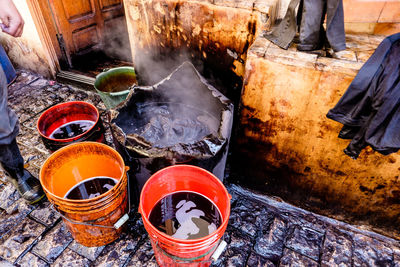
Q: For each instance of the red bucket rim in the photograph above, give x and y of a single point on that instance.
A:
(62, 104)
(177, 240)
(81, 201)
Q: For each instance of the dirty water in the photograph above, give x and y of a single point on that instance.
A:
(181, 119)
(185, 215)
(91, 187)
(72, 129)
(166, 124)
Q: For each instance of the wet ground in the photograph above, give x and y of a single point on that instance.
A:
(262, 231)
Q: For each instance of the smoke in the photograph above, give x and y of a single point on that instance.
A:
(154, 65)
(181, 108)
(116, 40)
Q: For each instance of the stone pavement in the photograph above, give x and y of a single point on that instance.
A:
(262, 231)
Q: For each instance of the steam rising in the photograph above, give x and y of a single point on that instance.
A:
(116, 40)
(166, 124)
(181, 108)
(154, 66)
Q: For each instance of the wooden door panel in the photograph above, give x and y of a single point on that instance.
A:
(107, 4)
(85, 38)
(111, 9)
(76, 10)
(81, 22)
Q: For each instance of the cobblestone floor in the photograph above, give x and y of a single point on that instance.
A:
(261, 230)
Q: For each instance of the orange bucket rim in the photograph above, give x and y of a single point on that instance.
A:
(70, 146)
(71, 138)
(164, 236)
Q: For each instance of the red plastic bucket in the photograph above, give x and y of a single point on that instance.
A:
(63, 113)
(171, 251)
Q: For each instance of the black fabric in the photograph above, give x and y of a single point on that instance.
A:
(370, 108)
(311, 14)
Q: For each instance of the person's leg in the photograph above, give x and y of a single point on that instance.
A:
(8, 68)
(283, 33)
(9, 121)
(335, 25)
(311, 28)
(10, 156)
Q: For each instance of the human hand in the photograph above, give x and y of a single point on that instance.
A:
(11, 21)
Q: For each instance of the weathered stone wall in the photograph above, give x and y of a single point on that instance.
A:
(216, 32)
(289, 148)
(27, 51)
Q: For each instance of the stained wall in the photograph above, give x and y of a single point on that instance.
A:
(217, 33)
(27, 51)
(288, 148)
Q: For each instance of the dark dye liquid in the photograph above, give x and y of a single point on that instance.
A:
(71, 129)
(117, 83)
(185, 215)
(91, 187)
(168, 124)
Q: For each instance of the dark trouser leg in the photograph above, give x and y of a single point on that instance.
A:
(10, 156)
(311, 28)
(283, 33)
(312, 33)
(13, 164)
(8, 119)
(335, 25)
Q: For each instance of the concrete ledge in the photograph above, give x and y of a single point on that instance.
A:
(285, 99)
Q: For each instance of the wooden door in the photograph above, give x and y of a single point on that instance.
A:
(84, 23)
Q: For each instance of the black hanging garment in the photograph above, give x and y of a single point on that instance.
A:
(370, 108)
(310, 17)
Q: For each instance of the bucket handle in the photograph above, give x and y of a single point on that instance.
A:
(219, 248)
(116, 225)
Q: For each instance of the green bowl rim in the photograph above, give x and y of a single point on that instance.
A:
(98, 77)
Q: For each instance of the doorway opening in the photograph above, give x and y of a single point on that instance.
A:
(88, 36)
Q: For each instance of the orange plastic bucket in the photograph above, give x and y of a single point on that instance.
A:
(171, 251)
(90, 221)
